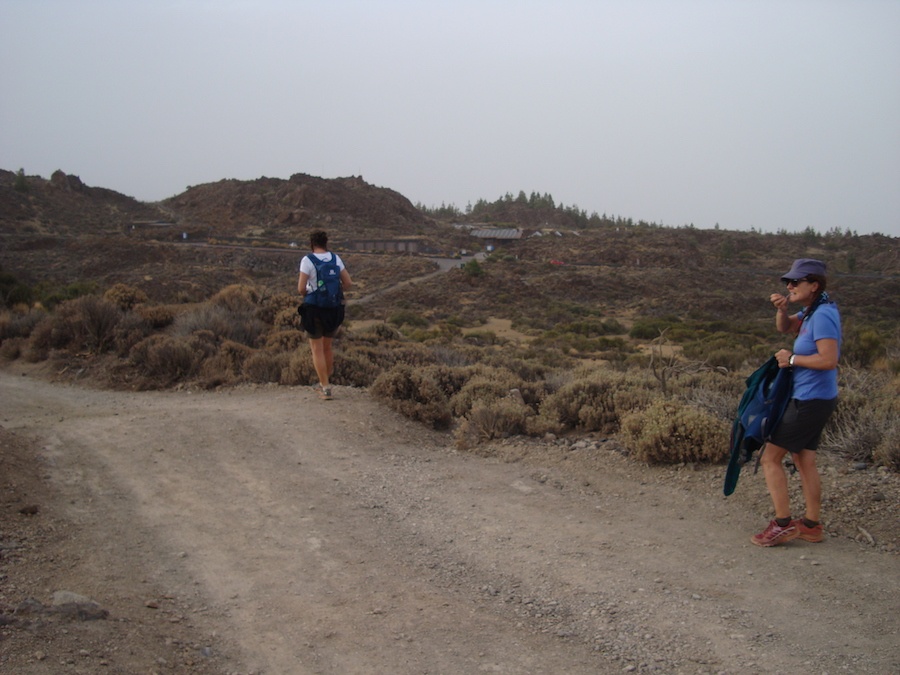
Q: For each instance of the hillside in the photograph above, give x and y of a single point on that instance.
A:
(60, 230)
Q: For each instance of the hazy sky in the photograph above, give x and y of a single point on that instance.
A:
(778, 114)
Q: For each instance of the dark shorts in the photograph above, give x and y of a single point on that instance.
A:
(321, 321)
(802, 424)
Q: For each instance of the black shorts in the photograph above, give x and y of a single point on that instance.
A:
(321, 321)
(802, 424)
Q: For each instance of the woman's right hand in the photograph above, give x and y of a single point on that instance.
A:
(780, 301)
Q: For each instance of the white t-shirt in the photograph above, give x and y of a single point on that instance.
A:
(307, 267)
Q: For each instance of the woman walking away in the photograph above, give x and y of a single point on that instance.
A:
(323, 280)
(813, 398)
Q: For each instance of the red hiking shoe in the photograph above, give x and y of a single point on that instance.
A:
(813, 534)
(774, 534)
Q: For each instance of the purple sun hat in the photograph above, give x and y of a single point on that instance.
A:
(804, 266)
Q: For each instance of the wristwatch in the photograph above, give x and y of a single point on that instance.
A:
(791, 360)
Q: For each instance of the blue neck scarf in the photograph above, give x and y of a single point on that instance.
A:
(823, 299)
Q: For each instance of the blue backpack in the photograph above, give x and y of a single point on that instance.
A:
(759, 412)
(328, 291)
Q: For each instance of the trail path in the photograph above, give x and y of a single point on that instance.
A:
(260, 530)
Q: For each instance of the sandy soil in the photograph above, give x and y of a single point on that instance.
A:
(260, 530)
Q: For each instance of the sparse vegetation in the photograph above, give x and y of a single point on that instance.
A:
(622, 335)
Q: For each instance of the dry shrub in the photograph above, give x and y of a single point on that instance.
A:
(33, 354)
(236, 325)
(129, 331)
(449, 379)
(379, 332)
(285, 340)
(157, 316)
(215, 372)
(50, 333)
(264, 366)
(287, 319)
(485, 385)
(276, 306)
(670, 432)
(411, 354)
(86, 323)
(412, 393)
(864, 427)
(299, 370)
(20, 322)
(11, 348)
(496, 419)
(527, 369)
(887, 452)
(231, 356)
(357, 366)
(716, 392)
(585, 404)
(447, 355)
(125, 297)
(238, 298)
(99, 319)
(170, 359)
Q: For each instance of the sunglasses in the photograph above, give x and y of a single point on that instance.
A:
(796, 282)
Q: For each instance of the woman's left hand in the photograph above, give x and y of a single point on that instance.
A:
(783, 357)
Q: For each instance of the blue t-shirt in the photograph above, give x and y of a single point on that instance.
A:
(810, 384)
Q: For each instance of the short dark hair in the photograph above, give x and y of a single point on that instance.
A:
(319, 238)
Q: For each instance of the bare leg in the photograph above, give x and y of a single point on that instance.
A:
(329, 357)
(319, 359)
(805, 460)
(776, 479)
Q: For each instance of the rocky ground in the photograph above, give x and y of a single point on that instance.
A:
(260, 530)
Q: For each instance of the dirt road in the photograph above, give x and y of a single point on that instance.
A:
(260, 530)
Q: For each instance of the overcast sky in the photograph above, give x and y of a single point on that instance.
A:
(781, 114)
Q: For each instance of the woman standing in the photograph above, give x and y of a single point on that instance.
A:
(322, 317)
(813, 398)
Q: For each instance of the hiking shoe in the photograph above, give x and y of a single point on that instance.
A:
(774, 534)
(813, 534)
(325, 393)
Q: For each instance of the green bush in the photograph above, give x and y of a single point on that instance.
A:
(670, 432)
(649, 329)
(51, 297)
(14, 292)
(409, 319)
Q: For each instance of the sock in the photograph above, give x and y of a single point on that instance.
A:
(810, 523)
(783, 522)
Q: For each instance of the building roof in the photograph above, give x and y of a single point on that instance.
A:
(496, 233)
